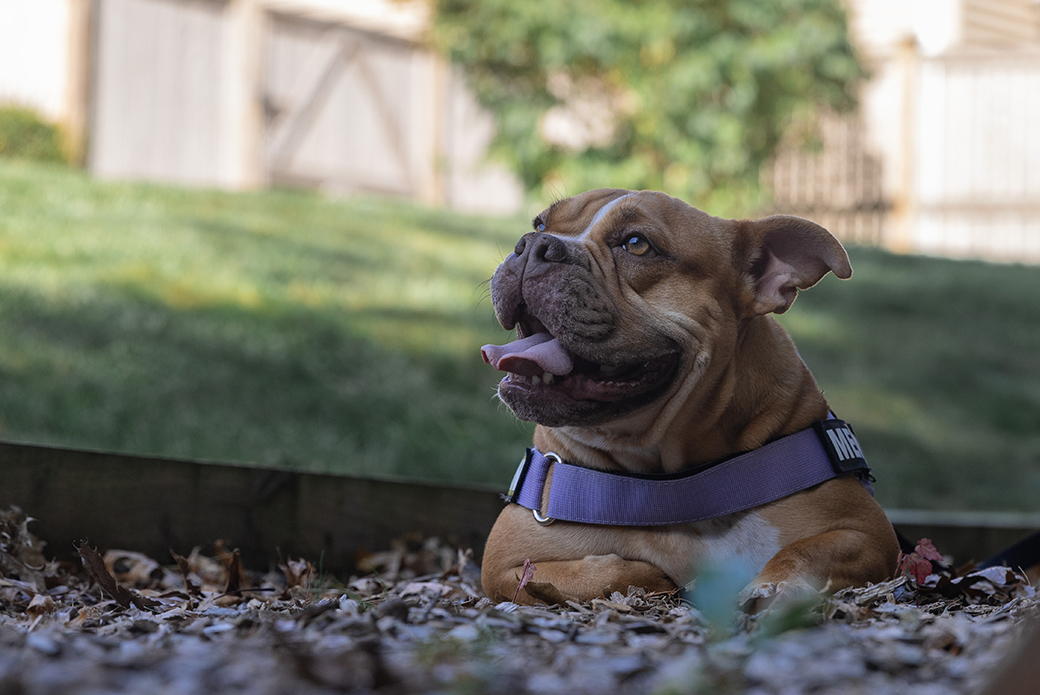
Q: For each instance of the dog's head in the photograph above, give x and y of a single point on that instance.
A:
(622, 299)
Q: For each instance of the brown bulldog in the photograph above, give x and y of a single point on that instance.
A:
(645, 348)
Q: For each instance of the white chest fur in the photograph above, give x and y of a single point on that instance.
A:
(748, 541)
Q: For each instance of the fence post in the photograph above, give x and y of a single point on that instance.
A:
(242, 118)
(77, 86)
(900, 234)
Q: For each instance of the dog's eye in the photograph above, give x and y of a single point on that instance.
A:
(637, 245)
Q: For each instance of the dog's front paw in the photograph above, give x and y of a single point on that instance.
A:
(614, 573)
(758, 596)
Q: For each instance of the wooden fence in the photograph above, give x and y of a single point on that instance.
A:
(978, 154)
(236, 94)
(839, 186)
(158, 91)
(967, 151)
(232, 93)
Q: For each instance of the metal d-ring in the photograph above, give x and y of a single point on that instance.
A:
(546, 520)
(543, 520)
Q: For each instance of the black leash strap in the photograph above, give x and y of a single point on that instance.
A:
(1023, 554)
(906, 546)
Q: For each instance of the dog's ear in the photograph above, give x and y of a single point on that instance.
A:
(788, 254)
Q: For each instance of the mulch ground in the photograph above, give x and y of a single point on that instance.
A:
(120, 622)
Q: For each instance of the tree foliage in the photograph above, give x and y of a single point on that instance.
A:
(686, 96)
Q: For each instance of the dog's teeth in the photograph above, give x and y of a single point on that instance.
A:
(547, 377)
(536, 379)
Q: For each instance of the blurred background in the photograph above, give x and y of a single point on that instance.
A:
(260, 230)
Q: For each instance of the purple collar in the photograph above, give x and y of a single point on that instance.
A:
(783, 467)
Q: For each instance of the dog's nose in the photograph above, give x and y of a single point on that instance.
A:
(543, 247)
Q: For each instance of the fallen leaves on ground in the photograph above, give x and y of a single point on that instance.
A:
(418, 623)
(918, 564)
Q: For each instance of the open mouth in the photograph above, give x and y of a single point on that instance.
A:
(539, 363)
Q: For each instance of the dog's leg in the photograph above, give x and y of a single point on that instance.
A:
(827, 561)
(594, 576)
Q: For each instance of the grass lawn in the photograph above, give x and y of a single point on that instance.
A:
(935, 364)
(278, 328)
(282, 328)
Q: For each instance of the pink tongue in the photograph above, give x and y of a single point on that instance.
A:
(530, 356)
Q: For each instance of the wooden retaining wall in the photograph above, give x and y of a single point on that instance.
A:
(151, 505)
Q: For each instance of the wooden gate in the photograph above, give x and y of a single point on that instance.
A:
(345, 109)
(237, 95)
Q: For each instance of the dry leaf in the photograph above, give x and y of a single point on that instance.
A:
(612, 605)
(928, 551)
(21, 553)
(297, 574)
(918, 564)
(95, 566)
(135, 569)
(526, 574)
(237, 578)
(42, 604)
(211, 571)
(190, 585)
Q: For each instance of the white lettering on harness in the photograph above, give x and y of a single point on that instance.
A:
(845, 444)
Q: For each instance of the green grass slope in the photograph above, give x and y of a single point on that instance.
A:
(277, 328)
(283, 328)
(935, 364)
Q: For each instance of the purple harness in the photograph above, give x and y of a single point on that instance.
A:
(783, 467)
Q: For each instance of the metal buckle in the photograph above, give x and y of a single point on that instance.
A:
(518, 478)
(546, 520)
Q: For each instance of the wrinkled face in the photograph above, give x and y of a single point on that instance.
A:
(615, 296)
